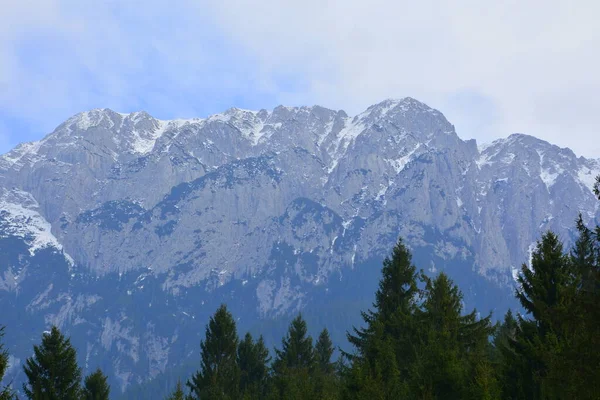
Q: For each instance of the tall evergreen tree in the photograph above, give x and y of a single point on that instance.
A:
(296, 348)
(177, 393)
(96, 386)
(384, 347)
(218, 377)
(547, 291)
(294, 363)
(452, 353)
(253, 359)
(323, 353)
(5, 392)
(325, 378)
(548, 284)
(52, 372)
(570, 355)
(509, 367)
(584, 254)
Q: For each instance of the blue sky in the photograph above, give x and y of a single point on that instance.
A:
(493, 68)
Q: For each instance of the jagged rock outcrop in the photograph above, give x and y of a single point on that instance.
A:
(269, 205)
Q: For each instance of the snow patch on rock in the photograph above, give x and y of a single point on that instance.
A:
(587, 175)
(19, 212)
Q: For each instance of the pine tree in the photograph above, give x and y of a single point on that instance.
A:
(384, 347)
(5, 392)
(452, 353)
(253, 359)
(549, 282)
(96, 386)
(218, 377)
(378, 376)
(509, 367)
(323, 353)
(570, 350)
(395, 299)
(584, 254)
(297, 348)
(294, 364)
(548, 293)
(52, 372)
(326, 381)
(177, 393)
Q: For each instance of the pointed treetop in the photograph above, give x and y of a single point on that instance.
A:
(96, 386)
(323, 352)
(398, 285)
(53, 372)
(296, 347)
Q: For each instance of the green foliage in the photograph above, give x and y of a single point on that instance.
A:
(548, 294)
(418, 344)
(296, 350)
(552, 352)
(52, 372)
(177, 393)
(294, 363)
(549, 285)
(509, 368)
(96, 387)
(253, 361)
(323, 353)
(219, 375)
(326, 382)
(5, 392)
(452, 351)
(384, 349)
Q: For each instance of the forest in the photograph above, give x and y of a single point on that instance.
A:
(416, 342)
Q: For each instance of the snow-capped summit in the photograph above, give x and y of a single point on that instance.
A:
(275, 208)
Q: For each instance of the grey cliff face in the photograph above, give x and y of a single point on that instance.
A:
(277, 202)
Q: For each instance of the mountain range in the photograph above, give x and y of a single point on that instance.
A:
(127, 231)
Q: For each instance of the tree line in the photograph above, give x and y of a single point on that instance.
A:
(416, 343)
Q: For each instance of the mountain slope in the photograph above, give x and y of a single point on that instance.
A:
(268, 210)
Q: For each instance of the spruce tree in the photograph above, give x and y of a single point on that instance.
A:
(177, 393)
(294, 363)
(384, 348)
(5, 392)
(452, 352)
(570, 351)
(508, 366)
(253, 359)
(395, 299)
(548, 292)
(52, 373)
(296, 348)
(548, 284)
(218, 377)
(326, 380)
(96, 386)
(323, 353)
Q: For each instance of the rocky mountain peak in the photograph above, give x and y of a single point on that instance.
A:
(268, 210)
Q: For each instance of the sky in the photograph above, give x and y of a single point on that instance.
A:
(492, 67)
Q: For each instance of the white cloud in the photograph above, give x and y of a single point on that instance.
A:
(492, 67)
(534, 64)
(60, 57)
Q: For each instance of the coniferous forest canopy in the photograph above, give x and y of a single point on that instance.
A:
(416, 342)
